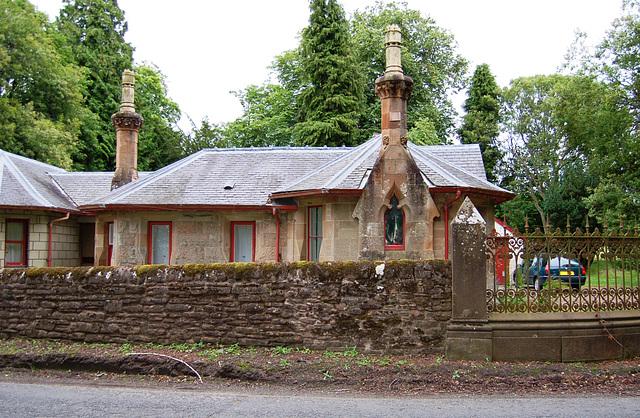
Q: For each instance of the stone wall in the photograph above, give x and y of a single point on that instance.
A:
(321, 306)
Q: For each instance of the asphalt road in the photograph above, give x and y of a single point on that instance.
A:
(28, 400)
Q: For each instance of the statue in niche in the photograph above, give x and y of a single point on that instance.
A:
(394, 224)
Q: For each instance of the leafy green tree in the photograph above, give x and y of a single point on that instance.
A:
(160, 139)
(480, 124)
(424, 133)
(94, 34)
(208, 135)
(269, 117)
(547, 143)
(331, 95)
(40, 96)
(428, 56)
(610, 138)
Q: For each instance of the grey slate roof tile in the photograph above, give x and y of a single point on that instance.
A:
(200, 178)
(26, 183)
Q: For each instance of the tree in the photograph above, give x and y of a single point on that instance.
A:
(160, 139)
(428, 56)
(610, 139)
(208, 135)
(547, 144)
(480, 124)
(330, 99)
(269, 117)
(94, 34)
(40, 96)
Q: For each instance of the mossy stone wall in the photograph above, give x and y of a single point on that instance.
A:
(321, 306)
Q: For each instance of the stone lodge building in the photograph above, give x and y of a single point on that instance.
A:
(384, 199)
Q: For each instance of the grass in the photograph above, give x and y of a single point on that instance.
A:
(605, 273)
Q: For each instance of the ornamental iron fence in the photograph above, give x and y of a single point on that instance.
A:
(563, 271)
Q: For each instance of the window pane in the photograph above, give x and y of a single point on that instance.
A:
(14, 253)
(314, 249)
(315, 233)
(110, 233)
(160, 244)
(15, 231)
(243, 243)
(316, 222)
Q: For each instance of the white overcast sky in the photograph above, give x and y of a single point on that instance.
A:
(207, 48)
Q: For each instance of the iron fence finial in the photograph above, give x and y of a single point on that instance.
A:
(587, 225)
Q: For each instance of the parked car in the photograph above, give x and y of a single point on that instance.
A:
(537, 271)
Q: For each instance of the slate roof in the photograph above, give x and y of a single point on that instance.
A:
(441, 165)
(85, 187)
(249, 177)
(25, 183)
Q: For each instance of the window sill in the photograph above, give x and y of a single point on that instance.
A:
(394, 247)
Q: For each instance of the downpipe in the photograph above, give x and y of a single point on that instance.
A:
(50, 252)
(447, 206)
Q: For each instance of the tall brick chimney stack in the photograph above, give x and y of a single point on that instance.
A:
(127, 123)
(394, 89)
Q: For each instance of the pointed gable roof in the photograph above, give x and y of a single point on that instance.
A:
(442, 166)
(26, 183)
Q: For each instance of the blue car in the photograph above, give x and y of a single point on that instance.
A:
(537, 271)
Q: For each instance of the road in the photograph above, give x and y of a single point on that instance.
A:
(42, 400)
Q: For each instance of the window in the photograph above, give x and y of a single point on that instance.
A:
(159, 242)
(394, 227)
(243, 236)
(15, 243)
(110, 240)
(315, 233)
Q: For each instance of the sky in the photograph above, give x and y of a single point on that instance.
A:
(208, 48)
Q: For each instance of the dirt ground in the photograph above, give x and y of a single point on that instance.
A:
(282, 368)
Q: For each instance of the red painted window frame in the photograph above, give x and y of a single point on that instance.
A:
(150, 239)
(253, 239)
(309, 236)
(396, 247)
(24, 241)
(109, 242)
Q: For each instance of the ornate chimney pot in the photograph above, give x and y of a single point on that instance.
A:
(394, 89)
(127, 123)
(128, 89)
(393, 45)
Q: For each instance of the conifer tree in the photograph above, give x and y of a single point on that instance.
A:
(94, 31)
(331, 95)
(480, 123)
